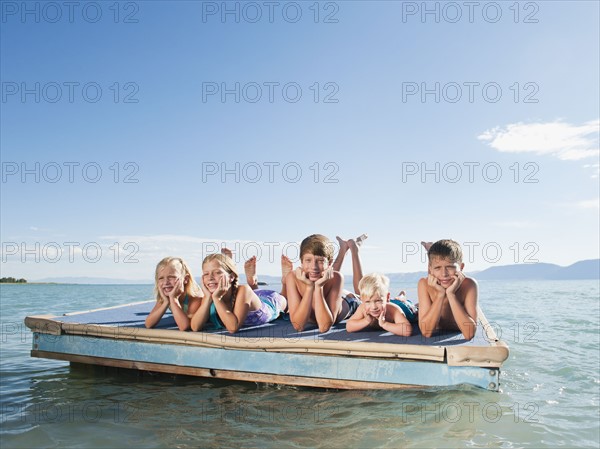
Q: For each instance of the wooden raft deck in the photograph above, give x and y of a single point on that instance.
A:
(272, 353)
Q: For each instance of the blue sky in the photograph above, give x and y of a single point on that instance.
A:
(135, 130)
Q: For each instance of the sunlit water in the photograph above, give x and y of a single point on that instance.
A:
(549, 397)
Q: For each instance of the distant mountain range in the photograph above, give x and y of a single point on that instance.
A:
(585, 269)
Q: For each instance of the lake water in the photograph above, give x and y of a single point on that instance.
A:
(550, 387)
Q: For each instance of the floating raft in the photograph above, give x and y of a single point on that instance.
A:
(272, 353)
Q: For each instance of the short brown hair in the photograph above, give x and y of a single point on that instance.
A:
(446, 249)
(317, 244)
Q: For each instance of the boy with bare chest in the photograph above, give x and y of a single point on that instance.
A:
(447, 298)
(315, 289)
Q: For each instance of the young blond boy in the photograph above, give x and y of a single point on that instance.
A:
(447, 298)
(376, 310)
(314, 289)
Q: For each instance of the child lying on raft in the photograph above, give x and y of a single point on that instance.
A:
(225, 304)
(175, 289)
(376, 311)
(315, 288)
(192, 306)
(447, 298)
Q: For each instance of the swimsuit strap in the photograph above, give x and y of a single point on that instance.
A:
(213, 317)
(185, 303)
(233, 295)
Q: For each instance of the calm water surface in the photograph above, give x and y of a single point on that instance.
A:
(550, 387)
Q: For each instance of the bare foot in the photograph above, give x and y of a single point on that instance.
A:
(343, 244)
(401, 295)
(356, 243)
(250, 270)
(360, 239)
(286, 267)
(227, 252)
(426, 245)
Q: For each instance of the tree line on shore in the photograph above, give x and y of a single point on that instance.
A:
(11, 280)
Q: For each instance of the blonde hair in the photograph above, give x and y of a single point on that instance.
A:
(228, 265)
(191, 288)
(317, 244)
(374, 283)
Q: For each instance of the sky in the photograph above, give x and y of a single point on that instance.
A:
(135, 130)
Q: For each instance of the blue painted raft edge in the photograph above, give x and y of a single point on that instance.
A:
(309, 365)
(370, 371)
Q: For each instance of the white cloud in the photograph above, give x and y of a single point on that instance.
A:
(150, 247)
(589, 204)
(132, 256)
(516, 224)
(595, 170)
(562, 140)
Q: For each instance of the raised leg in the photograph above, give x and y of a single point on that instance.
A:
(227, 252)
(339, 260)
(357, 274)
(286, 267)
(250, 270)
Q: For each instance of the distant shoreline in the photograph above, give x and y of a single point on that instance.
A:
(74, 283)
(582, 270)
(39, 283)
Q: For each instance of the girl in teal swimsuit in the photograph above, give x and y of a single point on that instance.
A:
(175, 289)
(229, 305)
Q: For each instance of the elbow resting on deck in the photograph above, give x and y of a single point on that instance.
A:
(427, 333)
(406, 331)
(324, 327)
(469, 335)
(299, 326)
